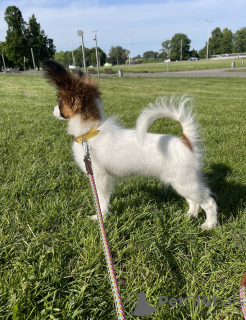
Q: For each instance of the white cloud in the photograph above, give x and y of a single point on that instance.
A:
(149, 22)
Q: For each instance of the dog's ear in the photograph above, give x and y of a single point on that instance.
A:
(79, 73)
(57, 74)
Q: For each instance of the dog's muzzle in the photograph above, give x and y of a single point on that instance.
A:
(57, 113)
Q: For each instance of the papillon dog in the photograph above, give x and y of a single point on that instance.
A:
(117, 152)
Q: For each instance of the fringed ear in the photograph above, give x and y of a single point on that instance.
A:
(57, 74)
(78, 73)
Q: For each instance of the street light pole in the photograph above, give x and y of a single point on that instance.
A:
(129, 54)
(72, 53)
(98, 71)
(80, 34)
(208, 37)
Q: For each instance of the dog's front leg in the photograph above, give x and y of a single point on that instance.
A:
(104, 185)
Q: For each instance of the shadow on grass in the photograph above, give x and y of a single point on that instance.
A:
(230, 196)
(137, 192)
(141, 192)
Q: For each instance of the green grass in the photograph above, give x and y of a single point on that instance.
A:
(178, 66)
(52, 264)
(174, 66)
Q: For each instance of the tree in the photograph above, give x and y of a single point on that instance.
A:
(22, 37)
(117, 55)
(150, 54)
(226, 41)
(102, 56)
(215, 41)
(240, 41)
(162, 55)
(166, 46)
(66, 59)
(175, 46)
(43, 47)
(194, 53)
(221, 42)
(203, 52)
(15, 42)
(7, 62)
(61, 57)
(93, 58)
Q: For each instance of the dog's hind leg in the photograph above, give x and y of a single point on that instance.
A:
(193, 209)
(198, 195)
(210, 207)
(104, 185)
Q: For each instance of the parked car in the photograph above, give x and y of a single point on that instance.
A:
(193, 59)
(73, 67)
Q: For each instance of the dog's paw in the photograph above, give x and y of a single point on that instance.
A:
(191, 215)
(208, 226)
(94, 217)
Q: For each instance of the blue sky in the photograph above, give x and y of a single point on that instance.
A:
(148, 22)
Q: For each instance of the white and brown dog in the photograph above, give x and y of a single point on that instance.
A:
(118, 152)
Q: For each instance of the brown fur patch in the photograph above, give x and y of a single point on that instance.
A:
(186, 142)
(77, 94)
(80, 97)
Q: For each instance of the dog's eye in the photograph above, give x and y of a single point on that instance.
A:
(63, 115)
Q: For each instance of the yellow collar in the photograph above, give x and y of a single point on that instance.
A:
(88, 135)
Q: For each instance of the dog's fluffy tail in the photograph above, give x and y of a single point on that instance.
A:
(175, 110)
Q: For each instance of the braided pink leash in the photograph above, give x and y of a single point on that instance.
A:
(243, 295)
(107, 254)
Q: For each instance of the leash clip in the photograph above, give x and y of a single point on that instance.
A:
(87, 158)
(87, 148)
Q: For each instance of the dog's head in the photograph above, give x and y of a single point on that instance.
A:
(77, 94)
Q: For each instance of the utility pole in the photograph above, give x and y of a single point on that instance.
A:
(80, 34)
(98, 71)
(4, 63)
(208, 37)
(181, 49)
(33, 62)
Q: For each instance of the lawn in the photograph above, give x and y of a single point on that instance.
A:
(51, 261)
(178, 66)
(175, 66)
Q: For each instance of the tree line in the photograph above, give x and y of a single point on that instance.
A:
(21, 37)
(75, 57)
(220, 42)
(225, 42)
(179, 47)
